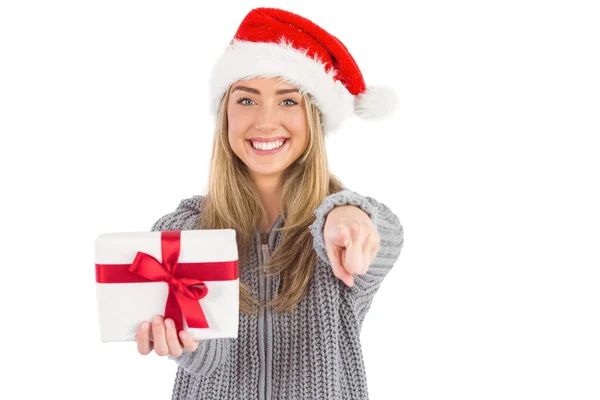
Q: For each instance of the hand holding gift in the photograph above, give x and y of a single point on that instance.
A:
(164, 338)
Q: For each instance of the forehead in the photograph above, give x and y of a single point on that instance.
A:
(273, 83)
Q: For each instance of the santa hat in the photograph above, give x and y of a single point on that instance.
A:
(275, 43)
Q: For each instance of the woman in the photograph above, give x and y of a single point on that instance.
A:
(312, 253)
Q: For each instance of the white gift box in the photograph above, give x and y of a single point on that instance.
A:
(123, 306)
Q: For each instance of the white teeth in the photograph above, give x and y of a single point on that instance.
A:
(267, 146)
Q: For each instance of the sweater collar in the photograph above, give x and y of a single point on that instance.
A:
(274, 237)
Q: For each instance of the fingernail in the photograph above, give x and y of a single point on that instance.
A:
(144, 326)
(183, 335)
(169, 323)
(156, 319)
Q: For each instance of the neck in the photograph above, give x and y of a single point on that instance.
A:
(269, 190)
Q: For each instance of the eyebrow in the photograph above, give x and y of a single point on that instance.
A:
(256, 91)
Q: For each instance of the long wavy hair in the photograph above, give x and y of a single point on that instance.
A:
(232, 202)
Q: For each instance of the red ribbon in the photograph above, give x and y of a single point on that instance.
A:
(182, 278)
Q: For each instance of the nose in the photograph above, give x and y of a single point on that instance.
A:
(266, 119)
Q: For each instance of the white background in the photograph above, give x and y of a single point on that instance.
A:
(491, 163)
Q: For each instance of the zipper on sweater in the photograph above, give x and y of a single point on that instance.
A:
(265, 384)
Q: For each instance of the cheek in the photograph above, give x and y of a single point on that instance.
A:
(302, 138)
(238, 123)
(298, 127)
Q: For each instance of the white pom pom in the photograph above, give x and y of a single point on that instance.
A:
(375, 102)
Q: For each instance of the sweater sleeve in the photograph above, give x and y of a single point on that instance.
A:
(391, 234)
(211, 353)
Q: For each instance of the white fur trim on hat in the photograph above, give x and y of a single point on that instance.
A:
(375, 102)
(245, 60)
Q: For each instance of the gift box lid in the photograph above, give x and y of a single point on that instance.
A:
(199, 245)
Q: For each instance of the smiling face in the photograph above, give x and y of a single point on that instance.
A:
(267, 124)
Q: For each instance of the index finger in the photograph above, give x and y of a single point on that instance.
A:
(353, 258)
(335, 257)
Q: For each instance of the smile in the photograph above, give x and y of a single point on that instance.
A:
(263, 148)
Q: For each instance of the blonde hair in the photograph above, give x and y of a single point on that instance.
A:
(232, 202)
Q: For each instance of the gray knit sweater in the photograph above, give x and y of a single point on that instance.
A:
(314, 353)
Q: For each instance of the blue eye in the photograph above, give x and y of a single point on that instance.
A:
(289, 102)
(245, 101)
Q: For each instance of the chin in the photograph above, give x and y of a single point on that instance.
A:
(266, 172)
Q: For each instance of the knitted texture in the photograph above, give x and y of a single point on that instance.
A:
(313, 353)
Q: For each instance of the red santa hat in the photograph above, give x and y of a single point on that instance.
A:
(275, 43)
